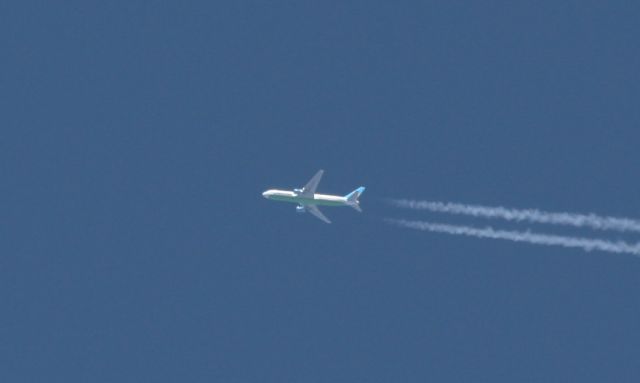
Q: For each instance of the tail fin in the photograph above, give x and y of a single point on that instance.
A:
(352, 198)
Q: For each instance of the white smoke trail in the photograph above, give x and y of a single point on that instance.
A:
(586, 244)
(529, 215)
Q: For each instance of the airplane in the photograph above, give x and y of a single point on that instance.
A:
(308, 200)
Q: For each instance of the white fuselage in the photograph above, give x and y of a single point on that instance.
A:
(293, 197)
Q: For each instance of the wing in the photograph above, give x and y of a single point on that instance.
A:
(313, 209)
(310, 188)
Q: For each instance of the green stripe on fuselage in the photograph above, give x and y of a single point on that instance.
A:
(306, 201)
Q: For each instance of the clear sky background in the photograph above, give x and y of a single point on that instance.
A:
(137, 137)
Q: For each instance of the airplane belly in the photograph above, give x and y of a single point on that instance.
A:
(328, 200)
(318, 199)
(284, 198)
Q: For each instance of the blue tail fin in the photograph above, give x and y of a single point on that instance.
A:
(352, 198)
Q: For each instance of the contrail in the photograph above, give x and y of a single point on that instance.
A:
(528, 215)
(586, 244)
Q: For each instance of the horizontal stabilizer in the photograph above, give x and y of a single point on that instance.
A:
(352, 198)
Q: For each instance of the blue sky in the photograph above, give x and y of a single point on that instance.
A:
(138, 137)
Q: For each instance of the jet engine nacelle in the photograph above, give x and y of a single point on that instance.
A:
(300, 209)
